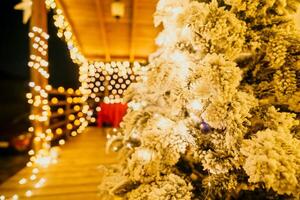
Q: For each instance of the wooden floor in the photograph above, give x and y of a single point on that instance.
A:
(76, 175)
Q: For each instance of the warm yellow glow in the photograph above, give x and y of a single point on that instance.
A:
(33, 177)
(70, 91)
(60, 111)
(76, 122)
(73, 133)
(77, 108)
(69, 100)
(43, 161)
(31, 84)
(61, 142)
(22, 181)
(28, 193)
(29, 95)
(58, 131)
(31, 117)
(35, 171)
(40, 183)
(144, 155)
(29, 164)
(69, 126)
(54, 100)
(31, 152)
(48, 87)
(61, 89)
(71, 117)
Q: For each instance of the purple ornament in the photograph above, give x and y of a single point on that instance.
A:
(205, 128)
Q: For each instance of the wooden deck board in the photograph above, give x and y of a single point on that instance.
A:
(75, 176)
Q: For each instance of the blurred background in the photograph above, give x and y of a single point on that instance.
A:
(14, 78)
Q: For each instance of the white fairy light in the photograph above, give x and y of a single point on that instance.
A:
(164, 123)
(144, 155)
(28, 193)
(22, 181)
(196, 105)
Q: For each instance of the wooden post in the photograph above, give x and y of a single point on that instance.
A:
(106, 84)
(67, 113)
(39, 73)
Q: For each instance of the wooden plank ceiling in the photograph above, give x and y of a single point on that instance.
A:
(102, 37)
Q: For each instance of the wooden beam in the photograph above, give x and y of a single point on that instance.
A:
(128, 21)
(132, 33)
(62, 5)
(101, 57)
(38, 20)
(100, 11)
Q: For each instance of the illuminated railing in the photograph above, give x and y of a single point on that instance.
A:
(67, 117)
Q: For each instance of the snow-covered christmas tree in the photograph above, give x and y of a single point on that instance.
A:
(216, 117)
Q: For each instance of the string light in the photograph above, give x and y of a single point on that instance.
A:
(39, 38)
(38, 98)
(145, 155)
(114, 76)
(28, 193)
(94, 78)
(196, 105)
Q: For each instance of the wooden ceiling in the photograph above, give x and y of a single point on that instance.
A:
(102, 37)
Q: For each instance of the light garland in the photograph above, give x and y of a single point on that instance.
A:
(72, 98)
(43, 155)
(38, 97)
(95, 77)
(48, 155)
(39, 39)
(112, 79)
(65, 33)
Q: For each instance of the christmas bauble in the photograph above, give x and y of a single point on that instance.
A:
(205, 128)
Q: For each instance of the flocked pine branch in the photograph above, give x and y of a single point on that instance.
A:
(217, 116)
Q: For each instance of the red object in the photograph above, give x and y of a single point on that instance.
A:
(111, 113)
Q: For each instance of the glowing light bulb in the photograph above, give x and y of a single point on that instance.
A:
(54, 100)
(164, 123)
(35, 171)
(58, 131)
(144, 155)
(73, 133)
(33, 177)
(28, 193)
(40, 183)
(31, 35)
(61, 89)
(22, 181)
(61, 142)
(69, 126)
(196, 105)
(29, 164)
(31, 84)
